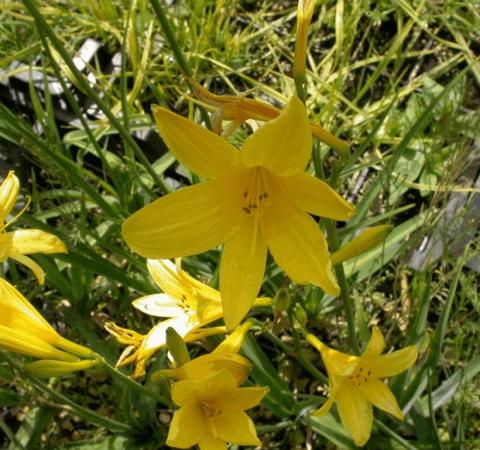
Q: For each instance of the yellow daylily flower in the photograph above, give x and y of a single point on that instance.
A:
(188, 303)
(256, 198)
(212, 413)
(225, 356)
(19, 243)
(355, 383)
(23, 330)
(304, 17)
(239, 108)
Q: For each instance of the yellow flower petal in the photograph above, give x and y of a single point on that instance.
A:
(159, 305)
(355, 413)
(8, 195)
(315, 196)
(211, 443)
(376, 344)
(366, 240)
(393, 363)
(379, 395)
(233, 343)
(235, 427)
(188, 426)
(324, 408)
(241, 271)
(297, 245)
(207, 365)
(243, 398)
(283, 145)
(30, 241)
(199, 149)
(185, 222)
(179, 284)
(32, 265)
(17, 312)
(214, 387)
(51, 369)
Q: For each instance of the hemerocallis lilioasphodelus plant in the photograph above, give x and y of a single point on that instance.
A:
(188, 304)
(23, 330)
(239, 108)
(19, 243)
(254, 198)
(355, 383)
(212, 413)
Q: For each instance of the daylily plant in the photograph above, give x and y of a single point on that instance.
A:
(212, 413)
(355, 383)
(255, 198)
(19, 243)
(189, 305)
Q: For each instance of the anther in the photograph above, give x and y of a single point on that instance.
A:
(247, 210)
(245, 194)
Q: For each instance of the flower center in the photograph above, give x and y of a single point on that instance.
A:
(255, 193)
(360, 376)
(208, 410)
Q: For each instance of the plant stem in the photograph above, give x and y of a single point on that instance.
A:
(133, 384)
(66, 403)
(333, 244)
(167, 31)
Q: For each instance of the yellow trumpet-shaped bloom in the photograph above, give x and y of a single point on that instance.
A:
(23, 330)
(188, 304)
(19, 243)
(212, 413)
(255, 198)
(239, 108)
(355, 383)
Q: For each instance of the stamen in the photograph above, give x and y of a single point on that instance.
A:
(208, 410)
(17, 216)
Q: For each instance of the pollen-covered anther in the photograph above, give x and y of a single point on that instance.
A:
(208, 410)
(360, 376)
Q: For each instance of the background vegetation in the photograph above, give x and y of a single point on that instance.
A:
(399, 80)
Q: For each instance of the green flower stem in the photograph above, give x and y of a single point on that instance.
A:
(66, 403)
(297, 354)
(45, 29)
(167, 31)
(334, 244)
(131, 383)
(262, 429)
(393, 435)
(177, 52)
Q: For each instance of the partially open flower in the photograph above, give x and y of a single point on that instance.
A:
(19, 243)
